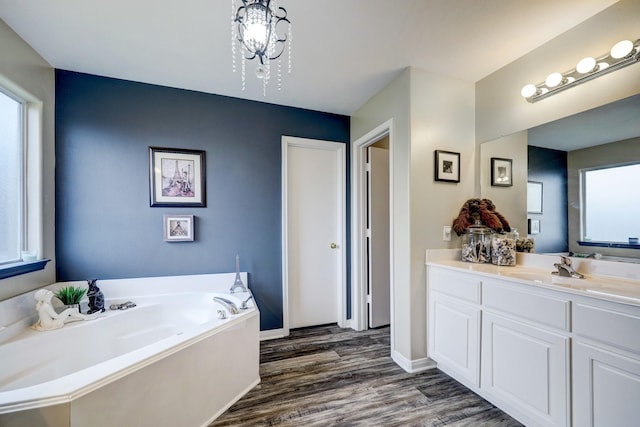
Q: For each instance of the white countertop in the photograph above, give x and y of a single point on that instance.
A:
(532, 270)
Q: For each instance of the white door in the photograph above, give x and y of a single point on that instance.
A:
(379, 304)
(314, 231)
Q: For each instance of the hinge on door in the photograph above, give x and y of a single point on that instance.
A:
(368, 233)
(367, 167)
(369, 299)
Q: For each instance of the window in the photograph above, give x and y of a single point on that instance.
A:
(12, 179)
(610, 207)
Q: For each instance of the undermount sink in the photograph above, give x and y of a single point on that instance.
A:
(618, 288)
(612, 294)
(552, 279)
(536, 277)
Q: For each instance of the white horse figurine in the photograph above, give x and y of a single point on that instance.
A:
(49, 319)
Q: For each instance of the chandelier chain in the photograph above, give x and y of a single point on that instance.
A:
(243, 72)
(233, 36)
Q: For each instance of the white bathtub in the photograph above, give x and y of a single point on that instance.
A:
(168, 361)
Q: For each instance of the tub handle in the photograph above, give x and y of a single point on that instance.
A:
(244, 305)
(229, 305)
(222, 314)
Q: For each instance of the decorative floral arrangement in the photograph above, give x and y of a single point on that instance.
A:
(70, 295)
(482, 210)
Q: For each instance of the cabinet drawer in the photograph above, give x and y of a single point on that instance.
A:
(461, 285)
(533, 305)
(610, 325)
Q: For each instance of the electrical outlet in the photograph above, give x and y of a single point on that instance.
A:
(446, 233)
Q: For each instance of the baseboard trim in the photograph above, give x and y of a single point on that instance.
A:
(345, 323)
(272, 334)
(412, 366)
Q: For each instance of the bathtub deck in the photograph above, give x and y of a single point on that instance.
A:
(326, 376)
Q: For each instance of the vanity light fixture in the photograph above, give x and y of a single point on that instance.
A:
(622, 54)
(260, 30)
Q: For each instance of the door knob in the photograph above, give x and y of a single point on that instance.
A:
(333, 246)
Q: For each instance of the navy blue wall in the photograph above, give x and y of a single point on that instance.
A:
(550, 167)
(105, 227)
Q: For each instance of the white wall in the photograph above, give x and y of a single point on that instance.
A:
(430, 112)
(500, 110)
(21, 66)
(393, 103)
(442, 118)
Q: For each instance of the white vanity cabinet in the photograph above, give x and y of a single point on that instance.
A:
(606, 364)
(525, 352)
(454, 319)
(546, 356)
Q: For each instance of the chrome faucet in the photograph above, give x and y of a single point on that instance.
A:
(565, 269)
(229, 305)
(244, 305)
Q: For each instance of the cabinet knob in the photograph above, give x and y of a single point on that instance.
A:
(333, 246)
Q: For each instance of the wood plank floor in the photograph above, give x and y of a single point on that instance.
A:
(328, 376)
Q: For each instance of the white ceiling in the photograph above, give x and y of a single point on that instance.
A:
(343, 51)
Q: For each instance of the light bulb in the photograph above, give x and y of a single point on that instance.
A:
(621, 49)
(553, 79)
(528, 90)
(586, 65)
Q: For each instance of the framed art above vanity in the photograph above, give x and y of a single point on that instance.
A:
(447, 166)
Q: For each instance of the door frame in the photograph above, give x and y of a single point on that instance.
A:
(340, 152)
(359, 224)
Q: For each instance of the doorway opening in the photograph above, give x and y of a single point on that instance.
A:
(372, 241)
(377, 233)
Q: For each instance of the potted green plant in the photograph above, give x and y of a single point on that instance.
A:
(71, 295)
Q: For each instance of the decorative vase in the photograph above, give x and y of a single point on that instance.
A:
(476, 244)
(75, 306)
(503, 248)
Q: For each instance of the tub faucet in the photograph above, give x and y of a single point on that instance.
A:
(229, 305)
(565, 269)
(244, 305)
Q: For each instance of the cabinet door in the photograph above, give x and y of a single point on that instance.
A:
(525, 370)
(454, 333)
(606, 390)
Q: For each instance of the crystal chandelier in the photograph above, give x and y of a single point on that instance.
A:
(261, 29)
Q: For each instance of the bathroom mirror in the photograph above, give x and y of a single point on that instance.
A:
(553, 154)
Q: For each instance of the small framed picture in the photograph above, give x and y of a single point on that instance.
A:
(501, 175)
(447, 166)
(534, 226)
(534, 197)
(178, 228)
(177, 177)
